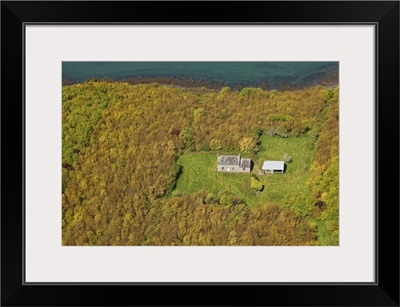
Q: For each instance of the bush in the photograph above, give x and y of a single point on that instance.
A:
(215, 144)
(205, 147)
(282, 132)
(187, 138)
(256, 184)
(225, 89)
(198, 112)
(211, 198)
(256, 131)
(247, 144)
(279, 131)
(226, 200)
(295, 132)
(287, 158)
(176, 194)
(246, 91)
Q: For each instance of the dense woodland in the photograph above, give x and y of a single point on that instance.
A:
(121, 143)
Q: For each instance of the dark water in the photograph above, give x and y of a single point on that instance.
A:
(269, 74)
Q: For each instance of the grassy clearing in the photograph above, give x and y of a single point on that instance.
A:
(199, 172)
(287, 190)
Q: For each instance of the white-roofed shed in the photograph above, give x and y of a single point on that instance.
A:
(273, 166)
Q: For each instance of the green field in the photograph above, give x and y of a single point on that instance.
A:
(286, 190)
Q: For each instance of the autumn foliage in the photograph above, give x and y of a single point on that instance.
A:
(120, 147)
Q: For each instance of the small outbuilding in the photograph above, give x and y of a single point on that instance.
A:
(271, 167)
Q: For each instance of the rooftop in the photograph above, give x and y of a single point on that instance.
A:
(228, 160)
(275, 165)
(245, 162)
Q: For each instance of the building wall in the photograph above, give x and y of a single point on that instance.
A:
(271, 171)
(232, 169)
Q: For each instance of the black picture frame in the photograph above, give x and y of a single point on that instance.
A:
(383, 14)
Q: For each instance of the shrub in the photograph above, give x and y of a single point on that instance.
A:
(211, 198)
(215, 144)
(282, 132)
(256, 131)
(205, 147)
(198, 112)
(256, 184)
(226, 200)
(295, 132)
(246, 91)
(287, 158)
(187, 138)
(247, 144)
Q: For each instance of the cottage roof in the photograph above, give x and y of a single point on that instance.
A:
(273, 165)
(228, 160)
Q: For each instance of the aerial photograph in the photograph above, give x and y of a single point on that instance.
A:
(200, 153)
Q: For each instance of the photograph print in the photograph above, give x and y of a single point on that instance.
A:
(200, 153)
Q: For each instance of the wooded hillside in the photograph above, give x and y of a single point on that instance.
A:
(121, 143)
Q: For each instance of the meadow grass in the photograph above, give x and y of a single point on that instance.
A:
(199, 172)
(288, 188)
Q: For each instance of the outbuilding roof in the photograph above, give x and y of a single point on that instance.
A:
(245, 162)
(273, 165)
